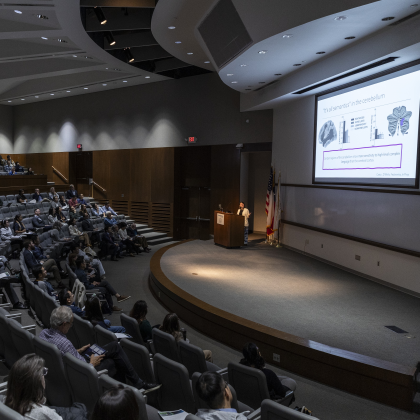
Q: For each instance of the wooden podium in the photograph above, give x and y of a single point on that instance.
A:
(228, 229)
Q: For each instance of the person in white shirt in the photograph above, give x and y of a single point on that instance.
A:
(8, 235)
(242, 211)
(94, 262)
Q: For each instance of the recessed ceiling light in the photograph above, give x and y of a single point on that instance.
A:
(171, 27)
(42, 17)
(350, 37)
(68, 91)
(190, 53)
(103, 84)
(207, 62)
(177, 42)
(22, 99)
(124, 81)
(233, 82)
(295, 65)
(62, 40)
(9, 101)
(36, 97)
(243, 65)
(147, 77)
(277, 74)
(388, 18)
(85, 88)
(43, 37)
(321, 52)
(51, 94)
(287, 36)
(74, 55)
(18, 12)
(229, 74)
(340, 18)
(90, 58)
(262, 52)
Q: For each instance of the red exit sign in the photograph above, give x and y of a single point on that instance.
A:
(79, 146)
(192, 139)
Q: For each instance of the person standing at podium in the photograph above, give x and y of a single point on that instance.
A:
(242, 211)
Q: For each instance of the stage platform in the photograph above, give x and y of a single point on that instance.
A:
(327, 324)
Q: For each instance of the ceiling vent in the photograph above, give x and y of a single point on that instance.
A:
(268, 84)
(224, 33)
(398, 22)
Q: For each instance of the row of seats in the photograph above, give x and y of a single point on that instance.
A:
(11, 199)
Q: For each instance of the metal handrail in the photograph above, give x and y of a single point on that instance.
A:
(59, 173)
(95, 183)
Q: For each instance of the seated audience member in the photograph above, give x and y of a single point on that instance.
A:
(123, 243)
(30, 172)
(49, 264)
(6, 284)
(109, 246)
(63, 202)
(12, 171)
(41, 279)
(8, 235)
(37, 221)
(87, 226)
(116, 403)
(95, 316)
(52, 218)
(103, 286)
(71, 261)
(37, 196)
(66, 298)
(171, 326)
(213, 390)
(18, 167)
(20, 198)
(26, 392)
(72, 213)
(127, 240)
(55, 202)
(73, 202)
(18, 226)
(139, 313)
(10, 161)
(52, 194)
(2, 161)
(107, 208)
(75, 232)
(71, 192)
(90, 261)
(109, 221)
(115, 360)
(95, 212)
(82, 211)
(38, 253)
(81, 200)
(277, 385)
(60, 216)
(137, 238)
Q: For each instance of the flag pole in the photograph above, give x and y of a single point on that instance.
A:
(278, 227)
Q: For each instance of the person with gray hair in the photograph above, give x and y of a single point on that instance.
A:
(108, 220)
(114, 360)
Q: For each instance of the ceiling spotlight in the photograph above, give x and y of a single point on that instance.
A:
(100, 15)
(51, 94)
(229, 74)
(287, 36)
(277, 74)
(262, 52)
(190, 53)
(177, 42)
(340, 18)
(9, 101)
(147, 77)
(22, 99)
(68, 91)
(62, 40)
(124, 81)
(43, 37)
(207, 62)
(74, 55)
(296, 65)
(350, 37)
(103, 84)
(90, 58)
(321, 52)
(36, 97)
(388, 18)
(171, 27)
(129, 55)
(42, 17)
(109, 38)
(18, 12)
(243, 65)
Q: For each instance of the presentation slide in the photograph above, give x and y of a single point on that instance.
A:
(368, 134)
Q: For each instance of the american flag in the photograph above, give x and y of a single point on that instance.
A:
(270, 204)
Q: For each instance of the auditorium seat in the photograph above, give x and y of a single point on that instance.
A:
(83, 380)
(44, 195)
(146, 411)
(175, 392)
(4, 199)
(28, 196)
(22, 210)
(192, 357)
(251, 385)
(237, 405)
(10, 352)
(7, 413)
(30, 207)
(11, 199)
(132, 328)
(22, 339)
(5, 213)
(165, 344)
(270, 410)
(57, 388)
(103, 336)
(84, 331)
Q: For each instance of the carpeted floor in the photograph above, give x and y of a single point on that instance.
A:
(299, 295)
(131, 276)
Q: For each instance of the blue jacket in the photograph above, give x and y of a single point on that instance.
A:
(82, 276)
(30, 259)
(110, 222)
(70, 194)
(36, 197)
(38, 254)
(38, 222)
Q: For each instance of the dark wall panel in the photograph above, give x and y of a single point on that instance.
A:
(162, 179)
(141, 174)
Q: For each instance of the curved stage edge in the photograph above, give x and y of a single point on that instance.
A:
(378, 380)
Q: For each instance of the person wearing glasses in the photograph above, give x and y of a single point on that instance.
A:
(213, 389)
(26, 388)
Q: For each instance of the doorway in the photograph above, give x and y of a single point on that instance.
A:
(80, 170)
(195, 212)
